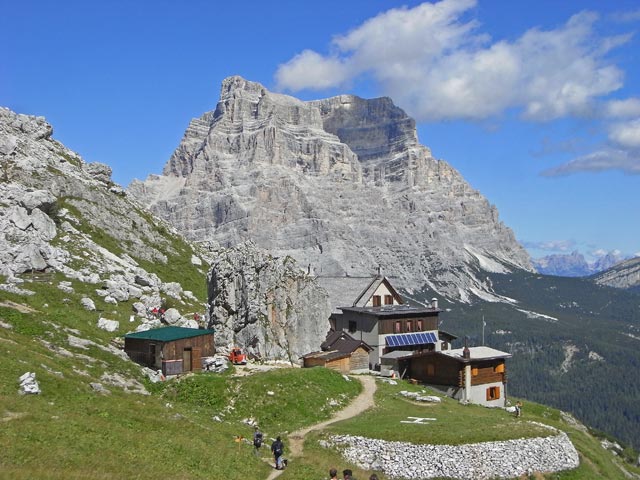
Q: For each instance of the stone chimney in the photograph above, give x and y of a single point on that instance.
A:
(466, 353)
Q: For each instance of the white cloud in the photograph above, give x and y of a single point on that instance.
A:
(436, 63)
(626, 135)
(311, 66)
(626, 108)
(552, 245)
(601, 160)
(629, 16)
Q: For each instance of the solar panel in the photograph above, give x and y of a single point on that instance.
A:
(407, 339)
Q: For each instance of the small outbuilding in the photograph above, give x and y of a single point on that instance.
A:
(173, 349)
(341, 352)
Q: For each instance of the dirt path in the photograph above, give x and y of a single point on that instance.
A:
(361, 403)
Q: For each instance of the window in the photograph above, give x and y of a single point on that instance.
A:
(499, 368)
(493, 393)
(353, 325)
(398, 327)
(474, 372)
(409, 326)
(444, 346)
(376, 300)
(419, 325)
(431, 369)
(388, 299)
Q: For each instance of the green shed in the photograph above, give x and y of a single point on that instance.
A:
(173, 349)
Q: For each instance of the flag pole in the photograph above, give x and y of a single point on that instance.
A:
(483, 324)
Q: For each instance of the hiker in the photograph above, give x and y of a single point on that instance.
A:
(347, 474)
(277, 448)
(333, 473)
(257, 441)
(518, 408)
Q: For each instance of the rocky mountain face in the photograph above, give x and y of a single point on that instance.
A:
(59, 214)
(340, 184)
(62, 216)
(574, 264)
(623, 275)
(268, 305)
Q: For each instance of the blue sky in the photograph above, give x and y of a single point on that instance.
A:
(536, 103)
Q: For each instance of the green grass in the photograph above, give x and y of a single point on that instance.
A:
(451, 427)
(71, 432)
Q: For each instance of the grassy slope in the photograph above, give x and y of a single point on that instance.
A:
(455, 424)
(590, 317)
(71, 432)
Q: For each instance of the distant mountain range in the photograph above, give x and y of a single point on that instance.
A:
(574, 264)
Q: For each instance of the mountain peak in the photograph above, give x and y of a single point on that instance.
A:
(340, 183)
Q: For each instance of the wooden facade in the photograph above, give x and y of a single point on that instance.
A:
(439, 369)
(408, 325)
(174, 350)
(340, 352)
(485, 367)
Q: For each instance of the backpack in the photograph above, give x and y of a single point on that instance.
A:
(257, 440)
(278, 449)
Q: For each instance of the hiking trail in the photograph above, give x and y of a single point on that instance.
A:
(361, 403)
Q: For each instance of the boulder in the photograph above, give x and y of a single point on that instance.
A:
(29, 384)
(173, 289)
(108, 325)
(99, 171)
(88, 304)
(172, 316)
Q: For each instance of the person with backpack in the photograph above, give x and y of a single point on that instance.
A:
(257, 441)
(277, 448)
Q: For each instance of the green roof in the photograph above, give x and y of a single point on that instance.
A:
(168, 334)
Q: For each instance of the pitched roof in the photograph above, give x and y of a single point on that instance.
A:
(352, 291)
(343, 342)
(476, 353)
(168, 334)
(327, 356)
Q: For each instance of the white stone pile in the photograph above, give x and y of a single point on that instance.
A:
(29, 384)
(419, 397)
(507, 459)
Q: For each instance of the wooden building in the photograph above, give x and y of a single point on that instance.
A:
(340, 352)
(173, 349)
(472, 375)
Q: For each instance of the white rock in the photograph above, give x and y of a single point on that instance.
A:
(29, 384)
(88, 304)
(195, 260)
(108, 325)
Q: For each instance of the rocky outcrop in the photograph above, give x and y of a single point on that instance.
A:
(341, 184)
(622, 275)
(507, 459)
(60, 214)
(266, 305)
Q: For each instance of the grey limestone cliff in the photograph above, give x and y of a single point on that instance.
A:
(340, 184)
(265, 304)
(623, 275)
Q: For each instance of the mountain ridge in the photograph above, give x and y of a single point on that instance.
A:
(283, 173)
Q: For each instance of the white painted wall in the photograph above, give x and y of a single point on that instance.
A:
(382, 290)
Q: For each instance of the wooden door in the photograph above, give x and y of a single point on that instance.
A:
(186, 360)
(196, 359)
